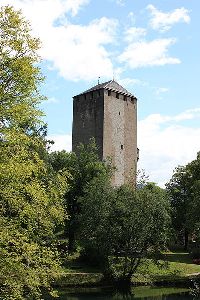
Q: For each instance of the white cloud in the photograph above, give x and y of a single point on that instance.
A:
(120, 2)
(134, 34)
(187, 115)
(76, 51)
(130, 81)
(164, 21)
(143, 54)
(46, 10)
(61, 142)
(132, 17)
(161, 90)
(164, 144)
(79, 52)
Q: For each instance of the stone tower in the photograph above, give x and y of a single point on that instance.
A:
(108, 112)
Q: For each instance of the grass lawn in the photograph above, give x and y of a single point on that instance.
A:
(173, 266)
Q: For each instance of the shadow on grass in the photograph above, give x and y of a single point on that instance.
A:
(78, 266)
(180, 257)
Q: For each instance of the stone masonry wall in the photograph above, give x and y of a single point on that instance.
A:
(111, 118)
(88, 120)
(120, 136)
(130, 150)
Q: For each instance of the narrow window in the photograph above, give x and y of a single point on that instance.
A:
(122, 147)
(119, 113)
(109, 92)
(125, 98)
(85, 96)
(117, 95)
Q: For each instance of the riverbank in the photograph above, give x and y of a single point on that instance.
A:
(175, 268)
(142, 292)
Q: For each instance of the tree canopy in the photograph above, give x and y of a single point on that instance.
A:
(184, 190)
(83, 167)
(31, 205)
(121, 225)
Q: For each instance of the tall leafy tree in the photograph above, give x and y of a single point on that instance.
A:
(179, 191)
(30, 205)
(121, 225)
(194, 207)
(83, 167)
(184, 191)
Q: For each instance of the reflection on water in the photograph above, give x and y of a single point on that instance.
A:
(145, 293)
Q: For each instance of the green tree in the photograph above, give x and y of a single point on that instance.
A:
(184, 191)
(193, 169)
(121, 225)
(83, 167)
(30, 197)
(179, 191)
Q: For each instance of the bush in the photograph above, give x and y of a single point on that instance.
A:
(91, 257)
(195, 253)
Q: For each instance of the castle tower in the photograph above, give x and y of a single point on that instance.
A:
(108, 112)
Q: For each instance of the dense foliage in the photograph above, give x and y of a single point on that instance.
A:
(122, 225)
(30, 207)
(184, 190)
(83, 168)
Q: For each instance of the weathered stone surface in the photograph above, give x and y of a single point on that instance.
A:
(109, 114)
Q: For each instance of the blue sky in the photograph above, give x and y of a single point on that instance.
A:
(150, 47)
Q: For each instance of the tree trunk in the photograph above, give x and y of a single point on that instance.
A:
(70, 234)
(123, 283)
(186, 234)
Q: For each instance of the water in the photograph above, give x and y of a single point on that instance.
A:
(142, 293)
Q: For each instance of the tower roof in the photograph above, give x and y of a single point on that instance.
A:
(111, 85)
